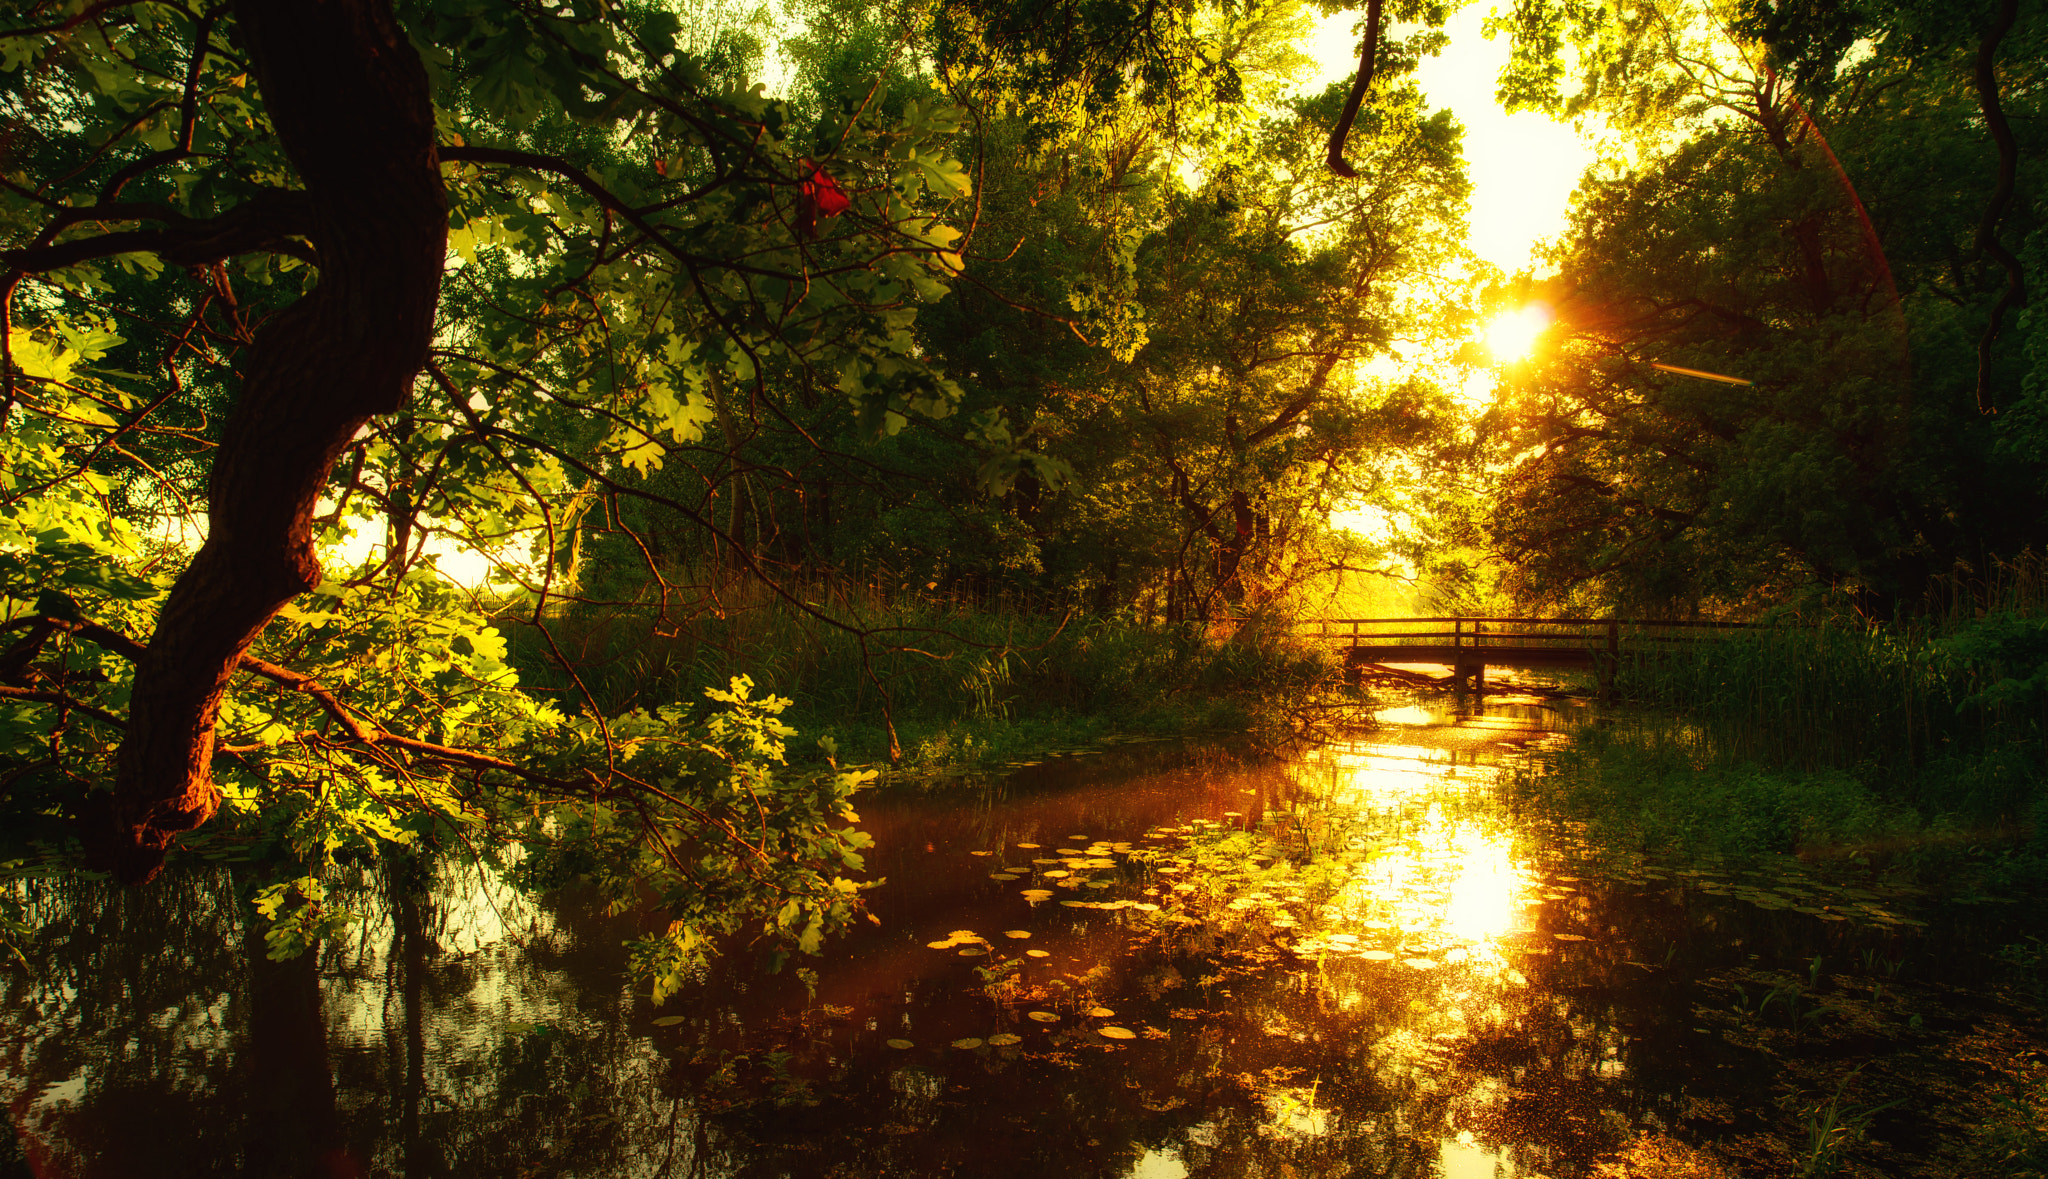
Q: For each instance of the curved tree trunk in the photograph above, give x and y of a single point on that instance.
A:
(350, 104)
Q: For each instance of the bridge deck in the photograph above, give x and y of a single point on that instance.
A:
(1475, 644)
(1468, 655)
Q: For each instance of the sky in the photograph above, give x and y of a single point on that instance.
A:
(1523, 167)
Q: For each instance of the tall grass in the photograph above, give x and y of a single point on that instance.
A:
(926, 663)
(1838, 730)
(1885, 700)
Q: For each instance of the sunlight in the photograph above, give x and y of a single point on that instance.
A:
(1511, 335)
(1450, 881)
(1523, 166)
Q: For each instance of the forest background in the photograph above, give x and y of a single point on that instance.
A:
(1015, 357)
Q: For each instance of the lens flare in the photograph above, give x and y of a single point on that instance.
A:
(1512, 334)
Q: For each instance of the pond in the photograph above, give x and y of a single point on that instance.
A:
(1164, 960)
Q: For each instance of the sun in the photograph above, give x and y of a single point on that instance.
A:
(1512, 334)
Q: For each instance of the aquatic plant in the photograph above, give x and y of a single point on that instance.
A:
(1832, 1127)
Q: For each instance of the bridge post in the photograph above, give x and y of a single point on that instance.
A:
(1479, 659)
(1611, 661)
(1457, 654)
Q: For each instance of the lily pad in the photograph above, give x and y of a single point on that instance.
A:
(1002, 876)
(980, 853)
(1036, 894)
(1030, 845)
(1100, 1013)
(1004, 1040)
(948, 944)
(1057, 873)
(1568, 937)
(1017, 933)
(1116, 1033)
(899, 1043)
(974, 952)
(1042, 1016)
(967, 1043)
(1377, 956)
(1038, 953)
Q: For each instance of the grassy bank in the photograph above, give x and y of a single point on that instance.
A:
(962, 684)
(1918, 745)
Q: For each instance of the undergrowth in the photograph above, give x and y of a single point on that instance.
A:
(1921, 744)
(969, 684)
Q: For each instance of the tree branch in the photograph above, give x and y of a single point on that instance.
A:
(264, 223)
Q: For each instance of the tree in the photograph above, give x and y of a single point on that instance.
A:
(1820, 245)
(457, 269)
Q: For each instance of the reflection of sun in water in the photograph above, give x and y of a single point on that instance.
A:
(1426, 871)
(1511, 335)
(1483, 901)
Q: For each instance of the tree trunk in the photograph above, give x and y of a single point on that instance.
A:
(350, 104)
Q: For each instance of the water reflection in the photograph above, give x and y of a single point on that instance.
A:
(1170, 963)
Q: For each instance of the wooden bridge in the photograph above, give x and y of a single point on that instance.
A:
(1471, 645)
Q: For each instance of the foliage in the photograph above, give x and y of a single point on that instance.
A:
(633, 241)
(990, 683)
(1821, 238)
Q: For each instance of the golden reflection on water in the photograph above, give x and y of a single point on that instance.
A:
(1435, 868)
(1437, 905)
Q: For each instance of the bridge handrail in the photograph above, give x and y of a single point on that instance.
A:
(1533, 621)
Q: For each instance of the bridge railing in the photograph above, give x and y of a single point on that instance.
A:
(1464, 633)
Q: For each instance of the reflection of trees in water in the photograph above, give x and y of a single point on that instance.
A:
(115, 1041)
(456, 1034)
(154, 1038)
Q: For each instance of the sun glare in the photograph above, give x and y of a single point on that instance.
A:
(1512, 334)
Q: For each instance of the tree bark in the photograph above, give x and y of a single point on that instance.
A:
(349, 101)
(1985, 77)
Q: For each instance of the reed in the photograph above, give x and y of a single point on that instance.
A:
(1922, 740)
(1015, 674)
(1900, 704)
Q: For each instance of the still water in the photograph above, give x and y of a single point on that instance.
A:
(1160, 961)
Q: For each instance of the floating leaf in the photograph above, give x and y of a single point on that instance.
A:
(1568, 937)
(1116, 1033)
(1002, 876)
(1100, 1013)
(1004, 1040)
(1038, 953)
(668, 1021)
(1017, 933)
(1377, 956)
(1057, 873)
(980, 853)
(974, 952)
(1036, 894)
(899, 1043)
(1030, 845)
(1042, 1016)
(944, 945)
(967, 1043)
